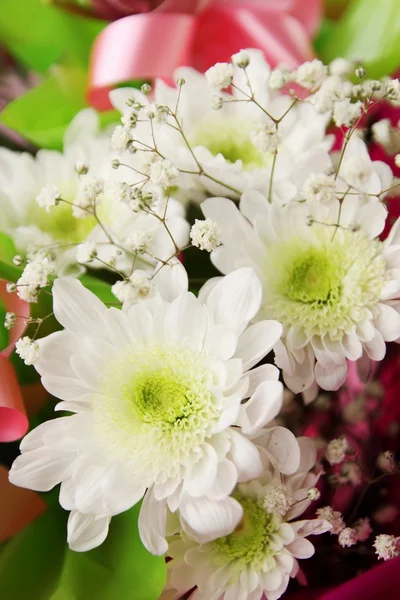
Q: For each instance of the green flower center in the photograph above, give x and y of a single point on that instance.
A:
(228, 136)
(157, 406)
(324, 283)
(159, 396)
(250, 542)
(311, 277)
(60, 223)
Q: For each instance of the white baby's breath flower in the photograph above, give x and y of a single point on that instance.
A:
(277, 79)
(9, 320)
(139, 241)
(387, 546)
(205, 234)
(163, 173)
(346, 112)
(138, 287)
(265, 136)
(334, 517)
(121, 139)
(157, 390)
(81, 168)
(49, 196)
(87, 197)
(397, 160)
(277, 499)
(336, 450)
(241, 59)
(320, 187)
(129, 120)
(313, 494)
(220, 75)
(86, 253)
(347, 537)
(27, 349)
(392, 90)
(34, 277)
(311, 74)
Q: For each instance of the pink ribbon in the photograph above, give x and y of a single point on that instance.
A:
(198, 33)
(13, 419)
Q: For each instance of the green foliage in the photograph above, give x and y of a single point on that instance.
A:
(37, 565)
(40, 34)
(368, 31)
(8, 270)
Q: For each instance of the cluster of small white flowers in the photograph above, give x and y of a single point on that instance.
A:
(86, 253)
(387, 462)
(392, 90)
(345, 112)
(162, 172)
(9, 320)
(27, 349)
(311, 75)
(347, 537)
(87, 197)
(320, 188)
(241, 59)
(278, 79)
(334, 517)
(277, 499)
(121, 139)
(336, 450)
(34, 277)
(139, 241)
(220, 75)
(205, 234)
(138, 287)
(387, 546)
(48, 196)
(265, 136)
(351, 473)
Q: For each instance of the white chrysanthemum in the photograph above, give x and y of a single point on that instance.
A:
(221, 139)
(334, 288)
(256, 560)
(32, 227)
(158, 393)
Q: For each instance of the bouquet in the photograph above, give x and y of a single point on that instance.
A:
(232, 397)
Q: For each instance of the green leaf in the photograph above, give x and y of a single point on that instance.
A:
(121, 568)
(31, 562)
(39, 34)
(43, 114)
(100, 288)
(8, 270)
(369, 31)
(3, 330)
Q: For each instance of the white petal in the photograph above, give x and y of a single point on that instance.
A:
(256, 341)
(376, 348)
(261, 408)
(311, 527)
(260, 374)
(65, 388)
(220, 342)
(332, 377)
(56, 350)
(283, 449)
(186, 321)
(245, 457)
(40, 469)
(308, 454)
(225, 480)
(77, 309)
(235, 299)
(231, 221)
(210, 519)
(152, 524)
(301, 548)
(86, 532)
(388, 322)
(171, 281)
(202, 474)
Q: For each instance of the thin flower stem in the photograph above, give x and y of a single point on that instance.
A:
(272, 176)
